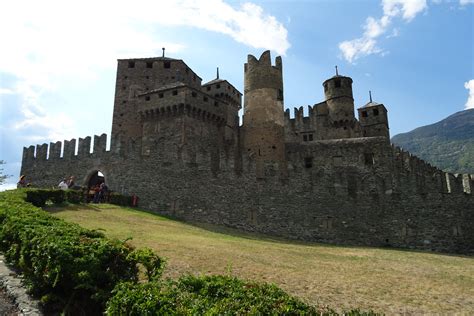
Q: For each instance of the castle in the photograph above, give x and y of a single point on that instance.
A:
(326, 177)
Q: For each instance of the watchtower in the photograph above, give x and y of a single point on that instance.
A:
(338, 94)
(263, 120)
(373, 119)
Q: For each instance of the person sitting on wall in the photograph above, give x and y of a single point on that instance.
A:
(70, 182)
(22, 182)
(63, 185)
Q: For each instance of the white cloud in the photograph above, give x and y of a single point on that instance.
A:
(367, 43)
(47, 43)
(469, 85)
(466, 2)
(6, 91)
(408, 9)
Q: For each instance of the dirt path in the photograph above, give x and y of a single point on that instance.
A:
(7, 307)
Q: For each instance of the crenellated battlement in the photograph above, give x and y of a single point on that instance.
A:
(52, 152)
(408, 165)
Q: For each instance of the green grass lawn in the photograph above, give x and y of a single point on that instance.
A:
(385, 280)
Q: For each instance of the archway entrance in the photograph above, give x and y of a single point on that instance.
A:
(96, 178)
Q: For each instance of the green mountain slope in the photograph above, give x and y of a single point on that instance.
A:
(447, 144)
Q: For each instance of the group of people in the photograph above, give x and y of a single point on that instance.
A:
(99, 192)
(66, 183)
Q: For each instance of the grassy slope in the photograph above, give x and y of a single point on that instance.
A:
(389, 281)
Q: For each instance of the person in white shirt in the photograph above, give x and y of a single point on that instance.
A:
(63, 185)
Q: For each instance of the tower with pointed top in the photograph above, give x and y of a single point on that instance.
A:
(373, 119)
(263, 121)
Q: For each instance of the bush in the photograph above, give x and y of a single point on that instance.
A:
(73, 270)
(57, 196)
(37, 197)
(120, 199)
(74, 196)
(208, 295)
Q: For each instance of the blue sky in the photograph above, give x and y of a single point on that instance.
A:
(58, 58)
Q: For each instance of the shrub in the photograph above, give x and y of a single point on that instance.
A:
(120, 199)
(71, 269)
(74, 196)
(37, 197)
(208, 295)
(57, 196)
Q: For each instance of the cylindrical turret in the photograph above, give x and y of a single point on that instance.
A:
(338, 93)
(263, 120)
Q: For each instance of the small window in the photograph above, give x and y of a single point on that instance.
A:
(194, 94)
(310, 137)
(124, 88)
(187, 70)
(126, 77)
(147, 77)
(218, 86)
(131, 64)
(194, 77)
(160, 95)
(175, 92)
(147, 98)
(369, 159)
(121, 114)
(167, 64)
(228, 87)
(149, 64)
(216, 103)
(337, 83)
(124, 101)
(375, 111)
(205, 99)
(280, 95)
(305, 138)
(364, 114)
(308, 162)
(208, 88)
(326, 87)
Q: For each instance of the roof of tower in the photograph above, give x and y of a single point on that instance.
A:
(217, 80)
(152, 58)
(369, 104)
(337, 77)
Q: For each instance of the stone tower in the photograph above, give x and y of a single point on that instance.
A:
(340, 103)
(373, 120)
(136, 77)
(263, 121)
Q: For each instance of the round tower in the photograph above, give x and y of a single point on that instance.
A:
(338, 93)
(263, 120)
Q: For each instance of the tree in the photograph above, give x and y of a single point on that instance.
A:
(3, 177)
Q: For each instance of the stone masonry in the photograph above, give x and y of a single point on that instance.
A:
(326, 177)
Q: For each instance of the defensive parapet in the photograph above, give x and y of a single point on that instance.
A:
(263, 121)
(54, 150)
(424, 177)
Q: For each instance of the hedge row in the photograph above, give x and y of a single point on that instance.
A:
(39, 197)
(207, 295)
(72, 270)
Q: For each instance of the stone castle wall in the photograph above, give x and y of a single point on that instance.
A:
(359, 191)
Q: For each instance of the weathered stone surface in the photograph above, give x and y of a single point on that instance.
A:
(181, 150)
(13, 287)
